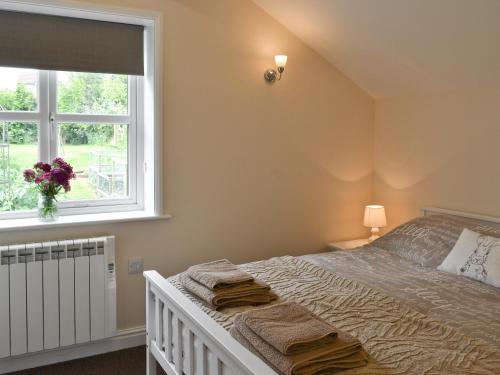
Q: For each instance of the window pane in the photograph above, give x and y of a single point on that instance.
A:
(18, 89)
(92, 93)
(18, 151)
(99, 156)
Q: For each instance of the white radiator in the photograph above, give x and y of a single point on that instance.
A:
(56, 294)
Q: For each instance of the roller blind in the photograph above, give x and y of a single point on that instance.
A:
(45, 42)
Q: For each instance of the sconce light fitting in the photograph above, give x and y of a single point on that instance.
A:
(271, 75)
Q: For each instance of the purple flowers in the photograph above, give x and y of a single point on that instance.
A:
(29, 175)
(51, 178)
(42, 166)
(59, 176)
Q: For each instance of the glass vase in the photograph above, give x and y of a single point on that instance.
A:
(47, 208)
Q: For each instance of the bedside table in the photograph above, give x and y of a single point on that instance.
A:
(347, 245)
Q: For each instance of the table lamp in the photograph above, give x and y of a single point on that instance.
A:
(374, 219)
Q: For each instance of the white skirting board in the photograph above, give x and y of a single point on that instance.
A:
(127, 338)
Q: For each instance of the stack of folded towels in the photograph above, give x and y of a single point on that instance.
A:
(222, 284)
(294, 341)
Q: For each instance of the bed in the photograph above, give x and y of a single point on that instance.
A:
(410, 317)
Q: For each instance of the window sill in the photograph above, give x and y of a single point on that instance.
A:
(78, 220)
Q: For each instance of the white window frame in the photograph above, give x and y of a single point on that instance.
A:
(49, 119)
(135, 149)
(144, 118)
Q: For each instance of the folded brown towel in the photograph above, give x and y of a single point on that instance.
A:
(289, 327)
(218, 274)
(344, 353)
(255, 293)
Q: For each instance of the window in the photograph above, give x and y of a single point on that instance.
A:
(96, 105)
(89, 119)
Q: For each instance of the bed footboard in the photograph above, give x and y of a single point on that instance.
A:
(185, 340)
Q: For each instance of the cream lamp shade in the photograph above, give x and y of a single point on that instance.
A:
(375, 219)
(280, 60)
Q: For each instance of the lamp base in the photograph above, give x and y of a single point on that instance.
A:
(375, 234)
(270, 75)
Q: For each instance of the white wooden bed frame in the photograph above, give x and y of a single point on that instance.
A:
(173, 322)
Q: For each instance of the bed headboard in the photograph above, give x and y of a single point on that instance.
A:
(427, 211)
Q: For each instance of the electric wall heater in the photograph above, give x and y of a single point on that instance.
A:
(56, 294)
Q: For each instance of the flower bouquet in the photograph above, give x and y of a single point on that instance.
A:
(49, 180)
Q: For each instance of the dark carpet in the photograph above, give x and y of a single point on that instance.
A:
(123, 362)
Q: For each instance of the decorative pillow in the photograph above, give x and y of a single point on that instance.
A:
(475, 255)
(428, 240)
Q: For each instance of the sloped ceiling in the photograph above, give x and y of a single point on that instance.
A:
(400, 47)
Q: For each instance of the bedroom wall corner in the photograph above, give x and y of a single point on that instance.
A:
(439, 149)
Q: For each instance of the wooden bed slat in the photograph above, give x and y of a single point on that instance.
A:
(159, 323)
(219, 366)
(191, 355)
(205, 360)
(169, 347)
(179, 360)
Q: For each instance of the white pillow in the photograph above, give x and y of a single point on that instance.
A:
(475, 255)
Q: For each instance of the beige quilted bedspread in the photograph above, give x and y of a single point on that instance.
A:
(398, 338)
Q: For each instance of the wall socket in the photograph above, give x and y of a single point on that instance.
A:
(135, 266)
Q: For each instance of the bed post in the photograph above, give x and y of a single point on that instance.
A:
(150, 324)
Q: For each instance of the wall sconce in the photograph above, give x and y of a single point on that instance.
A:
(270, 75)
